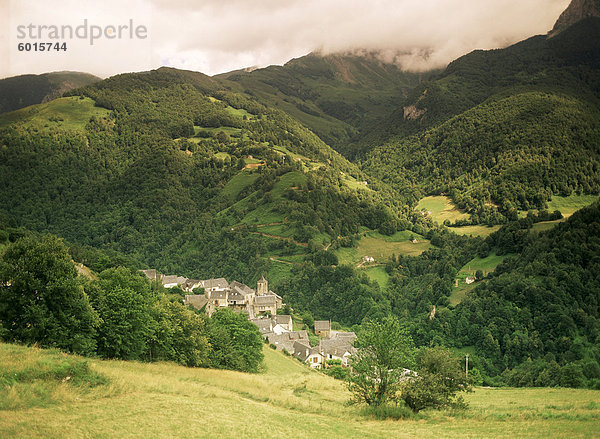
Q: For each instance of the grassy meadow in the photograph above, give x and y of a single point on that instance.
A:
(71, 113)
(486, 265)
(135, 400)
(382, 247)
(441, 208)
(571, 204)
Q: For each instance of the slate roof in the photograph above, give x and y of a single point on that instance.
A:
(195, 300)
(336, 346)
(282, 319)
(347, 336)
(264, 325)
(169, 279)
(151, 274)
(220, 283)
(322, 325)
(266, 300)
(182, 280)
(302, 351)
(245, 289)
(214, 295)
(236, 295)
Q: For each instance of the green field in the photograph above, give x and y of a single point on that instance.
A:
(279, 271)
(545, 225)
(233, 132)
(479, 230)
(571, 204)
(238, 183)
(287, 399)
(440, 209)
(486, 265)
(382, 247)
(71, 113)
(379, 275)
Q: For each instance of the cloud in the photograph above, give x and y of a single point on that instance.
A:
(215, 36)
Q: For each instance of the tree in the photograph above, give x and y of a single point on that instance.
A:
(385, 351)
(439, 378)
(236, 342)
(179, 335)
(123, 299)
(41, 298)
(479, 275)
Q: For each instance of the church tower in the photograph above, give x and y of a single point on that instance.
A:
(262, 287)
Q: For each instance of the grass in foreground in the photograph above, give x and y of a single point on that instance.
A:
(286, 400)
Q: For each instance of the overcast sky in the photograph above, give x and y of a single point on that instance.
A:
(214, 36)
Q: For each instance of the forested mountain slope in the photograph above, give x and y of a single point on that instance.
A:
(542, 306)
(503, 130)
(21, 91)
(338, 96)
(172, 168)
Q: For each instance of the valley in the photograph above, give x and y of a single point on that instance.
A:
(462, 202)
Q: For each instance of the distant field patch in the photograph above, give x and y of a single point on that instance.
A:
(486, 265)
(382, 247)
(238, 183)
(571, 204)
(209, 132)
(480, 230)
(72, 113)
(545, 225)
(379, 275)
(279, 272)
(441, 208)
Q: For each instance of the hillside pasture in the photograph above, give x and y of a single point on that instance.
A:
(571, 204)
(478, 230)
(382, 247)
(71, 113)
(441, 208)
(162, 400)
(486, 265)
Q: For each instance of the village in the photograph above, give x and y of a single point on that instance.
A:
(261, 306)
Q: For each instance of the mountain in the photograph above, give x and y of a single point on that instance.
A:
(21, 91)
(175, 169)
(500, 130)
(577, 11)
(338, 96)
(542, 305)
(241, 174)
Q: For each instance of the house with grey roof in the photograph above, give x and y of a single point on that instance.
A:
(338, 348)
(152, 275)
(195, 300)
(322, 328)
(265, 326)
(170, 281)
(308, 355)
(284, 321)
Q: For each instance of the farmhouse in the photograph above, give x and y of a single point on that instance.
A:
(309, 355)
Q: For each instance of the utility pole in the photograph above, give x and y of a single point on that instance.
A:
(467, 366)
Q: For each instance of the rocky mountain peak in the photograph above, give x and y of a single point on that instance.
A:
(577, 10)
